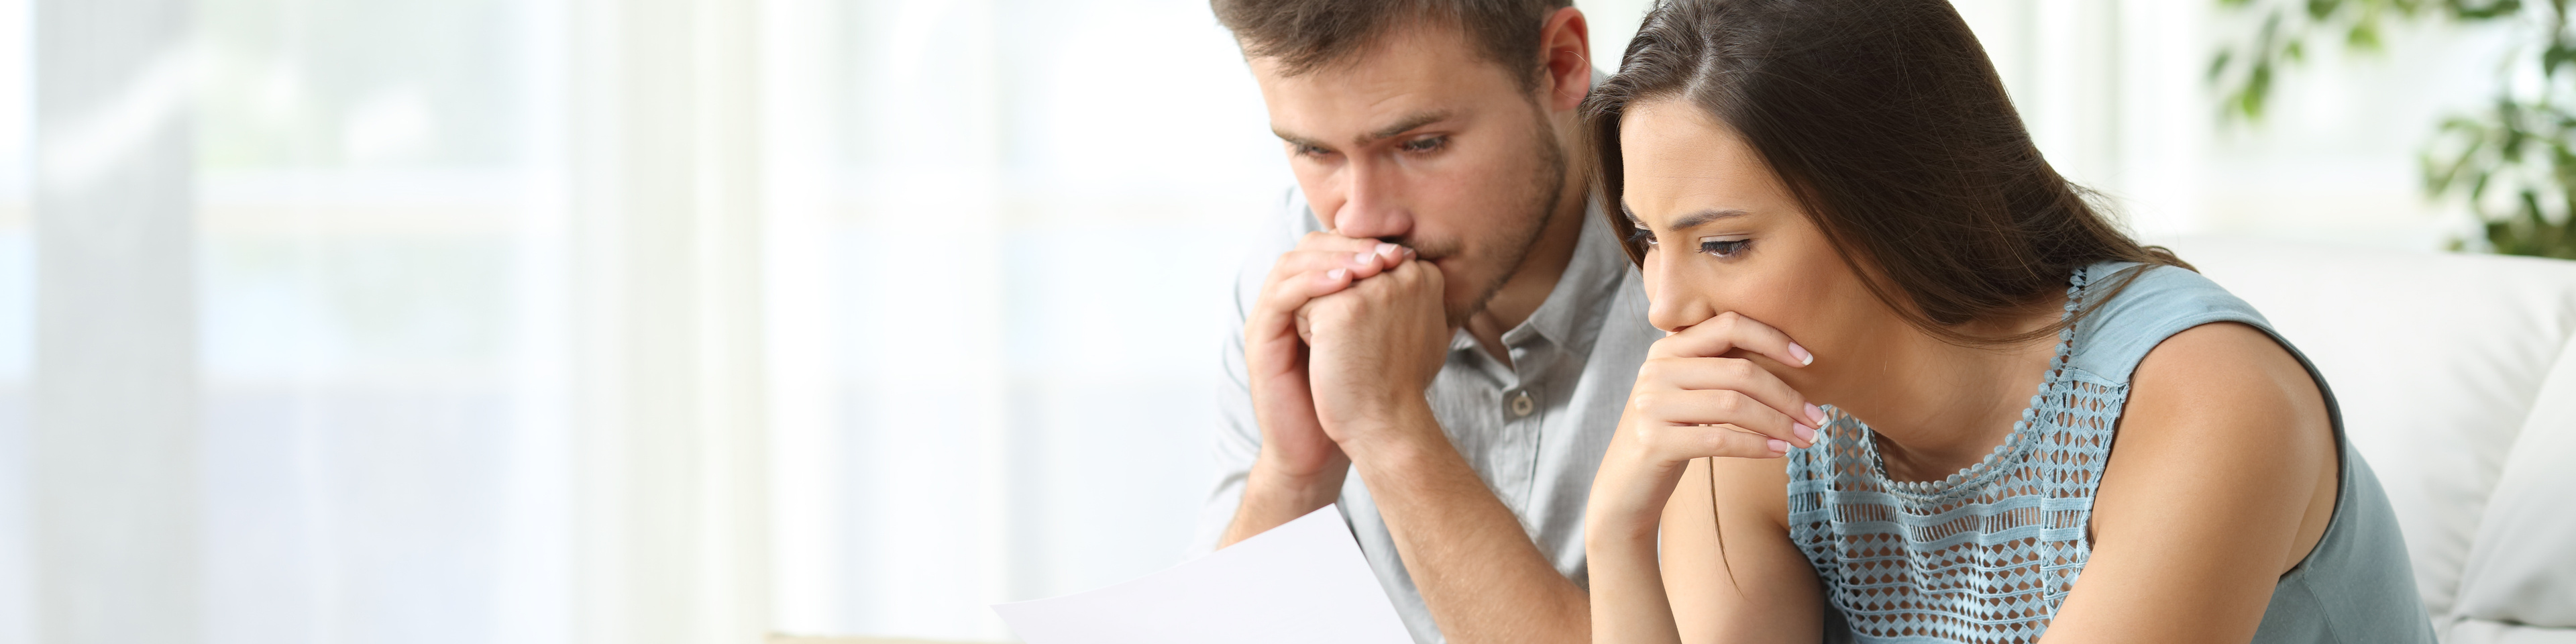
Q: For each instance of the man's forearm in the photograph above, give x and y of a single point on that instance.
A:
(1271, 498)
(1478, 572)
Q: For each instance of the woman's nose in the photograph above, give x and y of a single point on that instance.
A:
(1675, 300)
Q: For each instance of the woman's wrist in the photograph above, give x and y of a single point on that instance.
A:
(1628, 498)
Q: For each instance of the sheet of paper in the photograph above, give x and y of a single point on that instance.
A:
(1301, 582)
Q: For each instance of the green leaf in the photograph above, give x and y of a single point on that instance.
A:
(2364, 36)
(2258, 86)
(2474, 10)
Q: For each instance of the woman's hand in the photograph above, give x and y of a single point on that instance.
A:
(1694, 400)
(1690, 401)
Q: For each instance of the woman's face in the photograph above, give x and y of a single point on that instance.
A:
(1727, 236)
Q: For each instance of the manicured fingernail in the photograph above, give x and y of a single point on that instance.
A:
(1388, 249)
(1816, 414)
(1363, 258)
(1779, 446)
(1805, 433)
(1336, 274)
(1408, 253)
(1799, 352)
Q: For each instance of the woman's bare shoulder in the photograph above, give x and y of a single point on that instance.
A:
(2221, 473)
(2223, 387)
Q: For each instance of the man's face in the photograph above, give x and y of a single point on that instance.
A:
(1421, 141)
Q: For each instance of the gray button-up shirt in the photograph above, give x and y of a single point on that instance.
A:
(1534, 431)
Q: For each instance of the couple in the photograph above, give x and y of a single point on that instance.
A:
(1740, 344)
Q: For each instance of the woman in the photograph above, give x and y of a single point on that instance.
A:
(1867, 270)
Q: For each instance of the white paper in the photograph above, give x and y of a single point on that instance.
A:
(1304, 581)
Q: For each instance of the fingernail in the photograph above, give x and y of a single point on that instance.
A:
(1815, 413)
(1805, 433)
(1336, 274)
(1388, 249)
(1363, 258)
(1408, 253)
(1779, 446)
(1799, 352)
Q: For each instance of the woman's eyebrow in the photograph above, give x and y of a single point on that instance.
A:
(1697, 219)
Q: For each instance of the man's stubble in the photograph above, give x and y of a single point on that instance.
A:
(1538, 210)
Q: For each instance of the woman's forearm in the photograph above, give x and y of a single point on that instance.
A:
(1622, 525)
(1628, 601)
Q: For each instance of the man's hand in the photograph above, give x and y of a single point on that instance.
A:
(1299, 468)
(1375, 348)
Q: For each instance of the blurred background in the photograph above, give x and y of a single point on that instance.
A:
(694, 320)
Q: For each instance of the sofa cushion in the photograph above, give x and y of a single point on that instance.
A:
(2521, 568)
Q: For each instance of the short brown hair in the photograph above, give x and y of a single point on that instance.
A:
(1306, 35)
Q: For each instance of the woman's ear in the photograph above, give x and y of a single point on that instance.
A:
(1565, 46)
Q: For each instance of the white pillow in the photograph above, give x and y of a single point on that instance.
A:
(2522, 567)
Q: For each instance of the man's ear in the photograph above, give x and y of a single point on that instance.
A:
(1565, 49)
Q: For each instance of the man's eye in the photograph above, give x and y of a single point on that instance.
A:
(1723, 247)
(1425, 144)
(1313, 151)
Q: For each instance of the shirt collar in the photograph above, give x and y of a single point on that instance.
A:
(1571, 315)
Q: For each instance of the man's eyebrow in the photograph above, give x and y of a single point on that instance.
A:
(1295, 140)
(1417, 119)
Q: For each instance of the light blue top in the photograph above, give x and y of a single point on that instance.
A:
(1989, 553)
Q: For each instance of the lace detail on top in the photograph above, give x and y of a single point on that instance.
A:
(1985, 555)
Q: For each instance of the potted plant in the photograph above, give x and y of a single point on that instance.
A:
(2512, 164)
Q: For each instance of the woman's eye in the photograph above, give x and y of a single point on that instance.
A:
(1425, 144)
(1641, 237)
(1723, 247)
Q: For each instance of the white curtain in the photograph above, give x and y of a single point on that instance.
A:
(382, 321)
(996, 289)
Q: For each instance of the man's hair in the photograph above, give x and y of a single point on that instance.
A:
(1307, 35)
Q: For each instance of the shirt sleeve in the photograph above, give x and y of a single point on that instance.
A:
(1238, 436)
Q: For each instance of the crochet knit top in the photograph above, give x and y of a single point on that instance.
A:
(1988, 553)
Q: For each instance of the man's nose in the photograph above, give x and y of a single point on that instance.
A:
(1375, 207)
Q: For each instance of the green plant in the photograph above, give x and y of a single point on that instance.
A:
(2513, 163)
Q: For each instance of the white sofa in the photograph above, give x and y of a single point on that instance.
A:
(2457, 380)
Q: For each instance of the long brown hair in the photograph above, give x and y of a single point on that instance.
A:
(1891, 129)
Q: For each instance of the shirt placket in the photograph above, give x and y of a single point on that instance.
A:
(1520, 404)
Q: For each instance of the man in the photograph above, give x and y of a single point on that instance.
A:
(1443, 335)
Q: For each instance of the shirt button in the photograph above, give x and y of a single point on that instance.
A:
(1522, 405)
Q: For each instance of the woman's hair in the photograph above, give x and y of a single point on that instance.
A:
(1892, 131)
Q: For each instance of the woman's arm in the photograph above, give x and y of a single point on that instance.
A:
(1690, 403)
(1761, 589)
(2221, 478)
